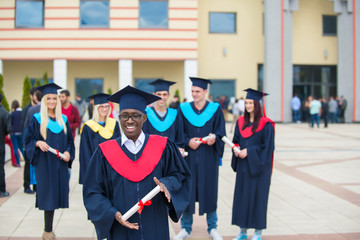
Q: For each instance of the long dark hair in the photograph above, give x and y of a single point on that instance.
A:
(257, 116)
(15, 104)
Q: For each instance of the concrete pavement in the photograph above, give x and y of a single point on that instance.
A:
(315, 192)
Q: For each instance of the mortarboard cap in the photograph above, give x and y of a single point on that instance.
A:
(161, 85)
(254, 94)
(50, 88)
(99, 98)
(200, 82)
(132, 98)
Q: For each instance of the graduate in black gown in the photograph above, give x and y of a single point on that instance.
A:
(202, 118)
(96, 130)
(122, 171)
(164, 121)
(50, 128)
(254, 133)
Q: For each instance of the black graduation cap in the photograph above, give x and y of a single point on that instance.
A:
(254, 94)
(132, 98)
(49, 88)
(161, 85)
(200, 82)
(99, 98)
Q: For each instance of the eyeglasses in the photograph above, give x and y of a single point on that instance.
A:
(134, 117)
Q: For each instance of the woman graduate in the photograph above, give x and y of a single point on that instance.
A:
(50, 128)
(96, 130)
(122, 171)
(254, 134)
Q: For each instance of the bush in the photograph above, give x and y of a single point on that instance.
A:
(26, 92)
(4, 101)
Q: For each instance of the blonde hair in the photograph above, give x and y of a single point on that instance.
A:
(45, 116)
(96, 116)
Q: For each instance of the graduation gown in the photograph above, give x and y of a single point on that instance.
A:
(170, 125)
(117, 183)
(253, 174)
(204, 161)
(92, 135)
(51, 172)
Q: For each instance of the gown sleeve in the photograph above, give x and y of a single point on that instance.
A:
(85, 152)
(180, 136)
(260, 154)
(97, 191)
(236, 139)
(219, 131)
(177, 179)
(32, 136)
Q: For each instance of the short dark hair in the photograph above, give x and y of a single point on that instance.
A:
(38, 95)
(15, 104)
(33, 90)
(66, 92)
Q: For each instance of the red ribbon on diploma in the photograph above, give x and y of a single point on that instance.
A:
(141, 205)
(57, 153)
(235, 145)
(203, 141)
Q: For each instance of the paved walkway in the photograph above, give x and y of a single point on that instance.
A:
(315, 192)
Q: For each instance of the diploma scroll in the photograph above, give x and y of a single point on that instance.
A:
(56, 152)
(142, 202)
(203, 140)
(231, 144)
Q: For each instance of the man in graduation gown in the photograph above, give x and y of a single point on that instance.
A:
(164, 121)
(202, 118)
(122, 171)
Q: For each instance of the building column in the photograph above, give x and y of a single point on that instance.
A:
(1, 68)
(347, 79)
(278, 67)
(125, 73)
(190, 70)
(60, 72)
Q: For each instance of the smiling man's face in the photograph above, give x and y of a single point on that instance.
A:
(131, 121)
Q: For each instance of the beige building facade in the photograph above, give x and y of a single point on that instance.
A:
(276, 46)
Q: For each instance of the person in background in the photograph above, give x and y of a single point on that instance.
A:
(332, 109)
(81, 105)
(342, 105)
(241, 106)
(254, 133)
(96, 130)
(5, 129)
(164, 121)
(50, 128)
(70, 111)
(315, 111)
(175, 103)
(324, 111)
(16, 132)
(122, 171)
(296, 108)
(235, 112)
(202, 118)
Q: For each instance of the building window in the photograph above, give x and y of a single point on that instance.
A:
(153, 14)
(88, 86)
(329, 26)
(29, 14)
(94, 13)
(222, 22)
(144, 84)
(220, 87)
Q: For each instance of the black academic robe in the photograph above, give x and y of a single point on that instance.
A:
(89, 141)
(175, 132)
(51, 172)
(106, 191)
(204, 161)
(253, 175)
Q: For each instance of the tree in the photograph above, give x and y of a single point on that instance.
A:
(45, 78)
(177, 93)
(4, 101)
(26, 92)
(37, 82)
(109, 91)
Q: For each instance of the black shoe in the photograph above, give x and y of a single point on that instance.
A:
(29, 191)
(4, 194)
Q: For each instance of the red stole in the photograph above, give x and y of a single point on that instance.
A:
(247, 132)
(134, 171)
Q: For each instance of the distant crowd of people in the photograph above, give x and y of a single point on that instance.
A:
(312, 110)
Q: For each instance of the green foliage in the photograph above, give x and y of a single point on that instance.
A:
(37, 82)
(45, 78)
(109, 91)
(4, 101)
(177, 93)
(26, 92)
